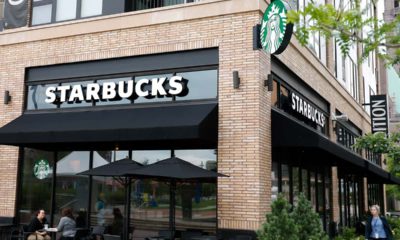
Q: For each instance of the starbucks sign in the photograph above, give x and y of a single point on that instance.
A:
(275, 31)
(41, 169)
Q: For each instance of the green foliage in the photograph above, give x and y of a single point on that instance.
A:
(395, 225)
(307, 221)
(349, 234)
(279, 224)
(302, 223)
(346, 24)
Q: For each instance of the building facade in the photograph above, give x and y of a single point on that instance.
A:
(93, 82)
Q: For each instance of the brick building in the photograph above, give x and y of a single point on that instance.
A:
(250, 133)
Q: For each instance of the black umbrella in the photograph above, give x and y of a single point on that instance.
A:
(121, 168)
(175, 170)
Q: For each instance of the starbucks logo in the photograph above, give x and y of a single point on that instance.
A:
(15, 2)
(275, 32)
(41, 169)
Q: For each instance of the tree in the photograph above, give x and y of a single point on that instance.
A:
(389, 146)
(308, 221)
(349, 25)
(279, 224)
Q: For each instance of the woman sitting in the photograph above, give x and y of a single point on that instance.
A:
(67, 225)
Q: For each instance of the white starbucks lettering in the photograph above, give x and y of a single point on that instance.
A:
(15, 2)
(156, 87)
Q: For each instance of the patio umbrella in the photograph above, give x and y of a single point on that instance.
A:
(175, 170)
(121, 169)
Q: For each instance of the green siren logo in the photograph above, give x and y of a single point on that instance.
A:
(41, 169)
(275, 32)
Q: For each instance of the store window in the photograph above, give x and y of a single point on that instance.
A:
(351, 203)
(37, 174)
(293, 102)
(194, 85)
(71, 190)
(97, 200)
(314, 183)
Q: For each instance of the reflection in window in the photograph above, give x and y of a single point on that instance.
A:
(304, 180)
(197, 202)
(66, 10)
(147, 87)
(296, 184)
(285, 182)
(72, 191)
(275, 94)
(202, 84)
(76, 102)
(91, 8)
(274, 181)
(108, 194)
(117, 100)
(36, 188)
(41, 14)
(147, 157)
(36, 96)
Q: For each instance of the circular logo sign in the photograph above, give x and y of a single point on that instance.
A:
(41, 169)
(15, 2)
(275, 32)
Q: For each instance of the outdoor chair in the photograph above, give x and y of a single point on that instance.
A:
(20, 233)
(111, 237)
(187, 235)
(243, 237)
(82, 234)
(97, 231)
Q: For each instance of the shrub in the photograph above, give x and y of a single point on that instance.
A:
(279, 224)
(308, 221)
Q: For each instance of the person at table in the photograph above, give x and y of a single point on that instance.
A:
(36, 227)
(117, 223)
(67, 225)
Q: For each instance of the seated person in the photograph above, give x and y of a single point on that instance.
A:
(117, 223)
(67, 225)
(37, 225)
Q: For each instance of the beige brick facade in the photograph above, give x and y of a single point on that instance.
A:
(244, 138)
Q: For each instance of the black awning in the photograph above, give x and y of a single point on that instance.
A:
(150, 127)
(289, 133)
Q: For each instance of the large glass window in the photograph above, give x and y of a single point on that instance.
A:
(201, 84)
(150, 198)
(37, 183)
(196, 85)
(315, 184)
(282, 98)
(72, 191)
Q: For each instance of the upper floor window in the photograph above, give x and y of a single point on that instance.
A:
(1, 9)
(51, 11)
(48, 11)
(316, 42)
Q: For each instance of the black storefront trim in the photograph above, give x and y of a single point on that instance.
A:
(174, 60)
(163, 127)
(289, 133)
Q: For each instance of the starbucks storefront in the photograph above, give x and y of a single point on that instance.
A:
(83, 115)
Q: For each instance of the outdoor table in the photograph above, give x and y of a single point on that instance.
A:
(51, 231)
(5, 229)
(204, 237)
